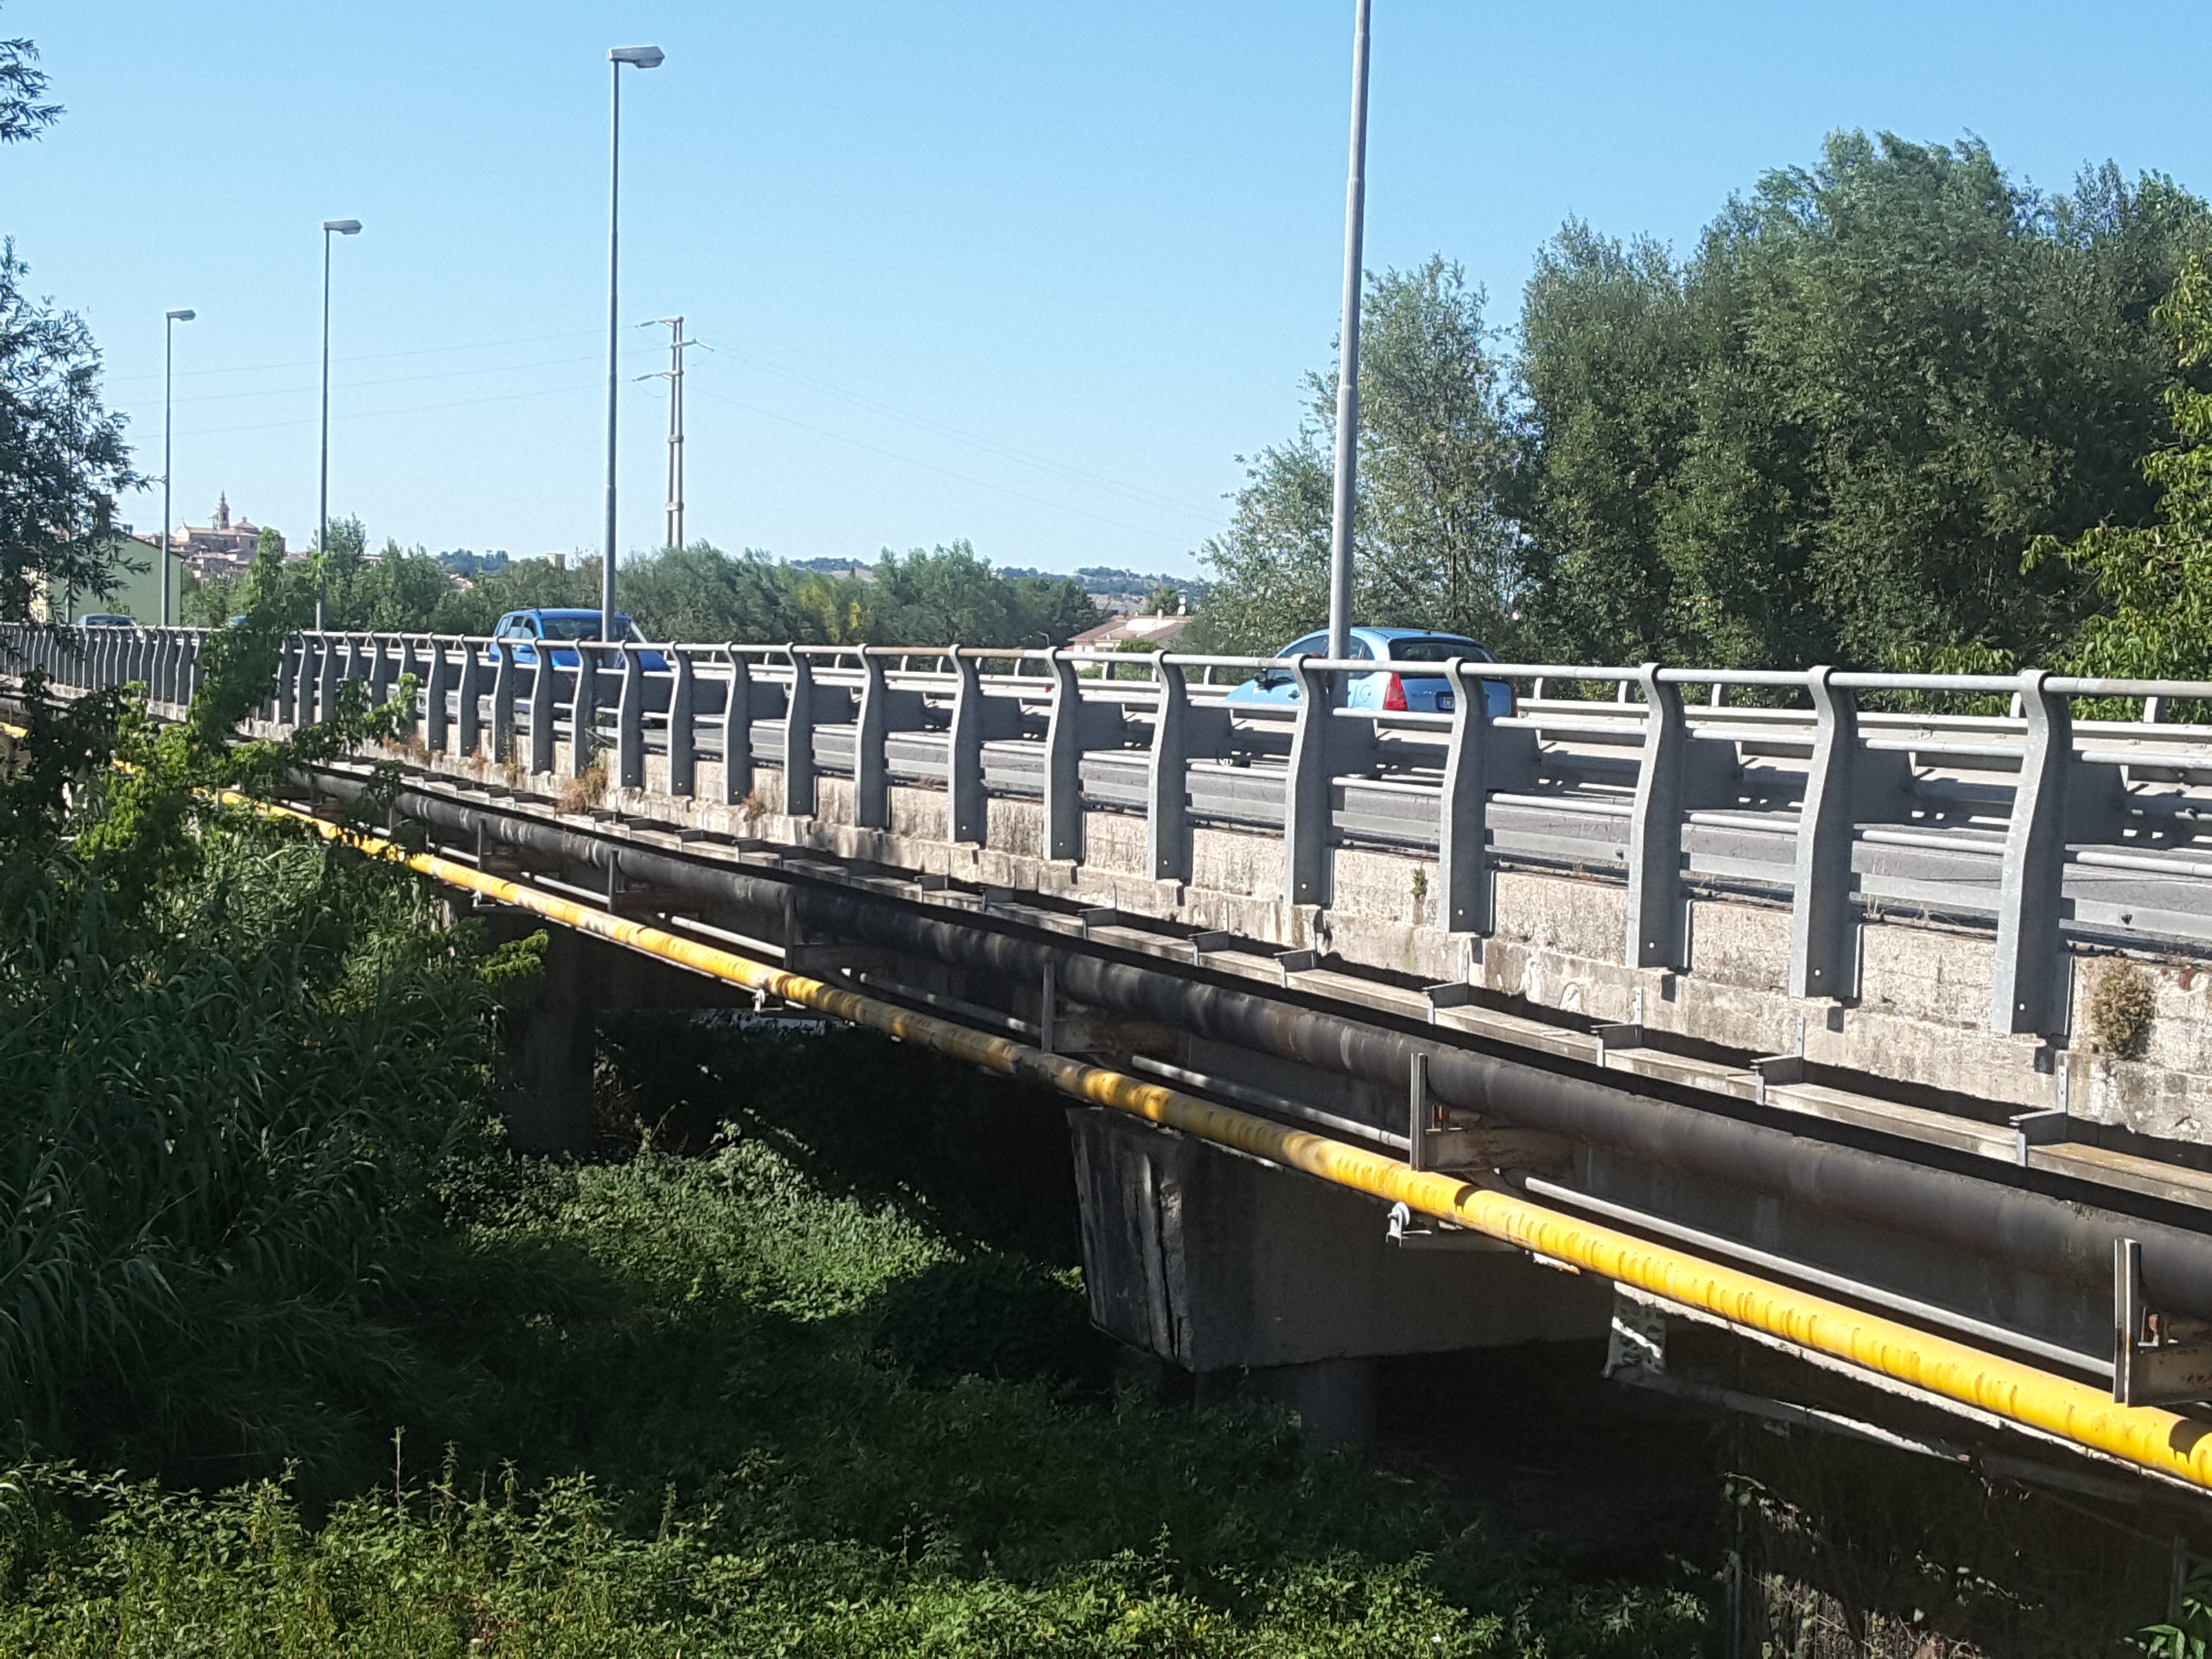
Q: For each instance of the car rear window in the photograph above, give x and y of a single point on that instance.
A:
(1440, 649)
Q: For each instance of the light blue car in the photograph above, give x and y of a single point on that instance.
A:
(1388, 689)
(526, 627)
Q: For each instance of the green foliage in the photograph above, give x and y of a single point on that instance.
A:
(757, 1415)
(1832, 434)
(62, 456)
(2156, 581)
(1433, 546)
(233, 1055)
(21, 115)
(696, 593)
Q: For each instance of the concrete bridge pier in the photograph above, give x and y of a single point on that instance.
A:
(1267, 1285)
(550, 1025)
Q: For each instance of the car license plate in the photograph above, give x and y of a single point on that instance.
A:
(1445, 702)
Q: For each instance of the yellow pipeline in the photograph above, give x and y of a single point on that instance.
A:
(2160, 1441)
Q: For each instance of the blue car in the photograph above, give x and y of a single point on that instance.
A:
(527, 628)
(1390, 688)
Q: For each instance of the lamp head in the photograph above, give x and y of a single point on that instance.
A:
(181, 316)
(638, 57)
(344, 227)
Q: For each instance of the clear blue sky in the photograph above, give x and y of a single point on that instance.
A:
(1032, 274)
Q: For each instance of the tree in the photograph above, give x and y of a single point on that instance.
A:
(1833, 432)
(62, 460)
(21, 115)
(948, 596)
(1434, 543)
(2156, 581)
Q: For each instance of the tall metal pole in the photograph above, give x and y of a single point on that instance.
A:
(168, 355)
(644, 58)
(614, 243)
(323, 499)
(1347, 368)
(341, 227)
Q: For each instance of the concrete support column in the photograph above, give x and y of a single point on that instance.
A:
(551, 1038)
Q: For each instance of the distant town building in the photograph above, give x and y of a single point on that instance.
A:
(224, 547)
(1149, 633)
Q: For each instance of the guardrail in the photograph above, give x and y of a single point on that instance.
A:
(2033, 824)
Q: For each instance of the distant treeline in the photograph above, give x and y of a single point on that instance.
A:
(698, 592)
(1866, 421)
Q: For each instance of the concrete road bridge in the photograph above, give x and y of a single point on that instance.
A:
(1775, 1004)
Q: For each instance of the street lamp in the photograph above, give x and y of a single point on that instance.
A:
(644, 58)
(1347, 366)
(343, 228)
(168, 351)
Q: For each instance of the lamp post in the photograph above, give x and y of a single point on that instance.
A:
(644, 58)
(1347, 367)
(343, 228)
(169, 353)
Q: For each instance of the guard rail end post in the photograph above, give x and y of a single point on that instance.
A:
(583, 709)
(737, 730)
(2029, 995)
(1466, 902)
(468, 690)
(1063, 763)
(629, 721)
(683, 726)
(872, 777)
(1308, 833)
(503, 694)
(799, 777)
(1824, 944)
(967, 807)
(1167, 779)
(1658, 920)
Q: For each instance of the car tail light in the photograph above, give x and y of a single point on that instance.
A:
(1393, 692)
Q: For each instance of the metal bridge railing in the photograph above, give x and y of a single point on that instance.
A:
(2033, 821)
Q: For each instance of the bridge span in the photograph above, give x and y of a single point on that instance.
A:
(1797, 988)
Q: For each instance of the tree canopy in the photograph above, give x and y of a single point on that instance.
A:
(1832, 433)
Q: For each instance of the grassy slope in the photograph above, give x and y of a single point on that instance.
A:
(761, 1406)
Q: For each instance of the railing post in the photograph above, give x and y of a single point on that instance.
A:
(583, 708)
(503, 691)
(871, 772)
(2029, 994)
(1824, 936)
(468, 689)
(409, 665)
(544, 707)
(1063, 763)
(682, 731)
(1167, 779)
(737, 730)
(967, 807)
(304, 684)
(1308, 830)
(798, 737)
(326, 691)
(188, 668)
(629, 722)
(433, 697)
(1466, 902)
(1658, 915)
(379, 673)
